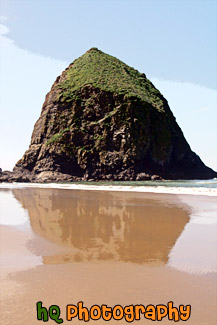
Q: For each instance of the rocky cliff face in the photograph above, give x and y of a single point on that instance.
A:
(104, 120)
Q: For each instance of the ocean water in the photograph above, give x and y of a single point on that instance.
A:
(211, 183)
(192, 187)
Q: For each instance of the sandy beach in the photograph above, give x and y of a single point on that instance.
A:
(63, 246)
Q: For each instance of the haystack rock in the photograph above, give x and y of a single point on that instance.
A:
(103, 120)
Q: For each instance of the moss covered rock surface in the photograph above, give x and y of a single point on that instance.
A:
(104, 120)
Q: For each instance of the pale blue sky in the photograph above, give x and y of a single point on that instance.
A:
(173, 42)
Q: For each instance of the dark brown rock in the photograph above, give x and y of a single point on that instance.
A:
(143, 177)
(105, 120)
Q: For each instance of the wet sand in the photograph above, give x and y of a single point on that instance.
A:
(65, 246)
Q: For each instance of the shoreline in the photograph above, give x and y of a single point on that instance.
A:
(107, 283)
(61, 253)
(161, 189)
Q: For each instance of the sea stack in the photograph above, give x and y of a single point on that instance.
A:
(103, 120)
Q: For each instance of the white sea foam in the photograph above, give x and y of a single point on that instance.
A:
(117, 188)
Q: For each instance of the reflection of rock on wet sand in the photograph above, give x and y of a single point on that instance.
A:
(104, 225)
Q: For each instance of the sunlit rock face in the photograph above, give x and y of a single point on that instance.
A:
(102, 226)
(104, 120)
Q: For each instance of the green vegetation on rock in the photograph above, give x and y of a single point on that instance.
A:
(109, 74)
(57, 137)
